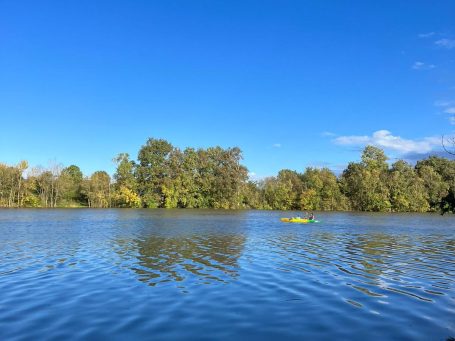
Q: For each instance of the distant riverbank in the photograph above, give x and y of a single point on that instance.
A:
(166, 177)
(285, 213)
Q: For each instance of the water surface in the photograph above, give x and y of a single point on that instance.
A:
(209, 275)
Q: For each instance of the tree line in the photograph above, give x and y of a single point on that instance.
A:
(165, 176)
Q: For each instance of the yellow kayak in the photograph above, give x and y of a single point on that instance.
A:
(298, 220)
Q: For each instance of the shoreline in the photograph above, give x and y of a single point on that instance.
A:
(215, 209)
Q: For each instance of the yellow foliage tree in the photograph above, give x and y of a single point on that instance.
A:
(125, 197)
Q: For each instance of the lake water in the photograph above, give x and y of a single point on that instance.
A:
(237, 275)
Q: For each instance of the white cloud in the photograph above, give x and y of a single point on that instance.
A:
(328, 134)
(452, 120)
(277, 145)
(446, 43)
(426, 35)
(385, 139)
(422, 66)
(450, 110)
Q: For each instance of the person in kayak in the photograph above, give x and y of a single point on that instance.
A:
(312, 217)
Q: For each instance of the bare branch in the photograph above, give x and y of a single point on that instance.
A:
(452, 142)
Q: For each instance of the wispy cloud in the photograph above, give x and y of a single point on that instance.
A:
(276, 145)
(445, 43)
(422, 66)
(443, 103)
(385, 139)
(426, 35)
(448, 107)
(352, 140)
(328, 134)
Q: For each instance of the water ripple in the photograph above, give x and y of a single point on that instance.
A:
(205, 275)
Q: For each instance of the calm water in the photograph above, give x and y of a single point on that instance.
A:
(210, 275)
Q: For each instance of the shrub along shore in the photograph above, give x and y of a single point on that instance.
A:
(165, 176)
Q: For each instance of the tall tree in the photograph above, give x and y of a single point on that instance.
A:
(252, 196)
(21, 167)
(152, 170)
(364, 183)
(124, 175)
(70, 181)
(446, 169)
(407, 190)
(8, 185)
(99, 190)
(125, 189)
(228, 177)
(44, 186)
(278, 194)
(437, 189)
(297, 186)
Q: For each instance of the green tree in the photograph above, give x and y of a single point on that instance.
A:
(21, 167)
(172, 188)
(12, 184)
(292, 178)
(70, 181)
(436, 188)
(228, 176)
(310, 200)
(124, 174)
(321, 191)
(278, 194)
(152, 170)
(99, 190)
(252, 196)
(407, 190)
(8, 179)
(125, 187)
(446, 169)
(193, 189)
(365, 183)
(45, 187)
(373, 158)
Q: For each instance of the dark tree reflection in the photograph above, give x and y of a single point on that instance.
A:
(205, 259)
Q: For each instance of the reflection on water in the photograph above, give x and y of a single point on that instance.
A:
(96, 274)
(374, 264)
(209, 258)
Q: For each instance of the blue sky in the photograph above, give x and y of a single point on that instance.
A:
(292, 83)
